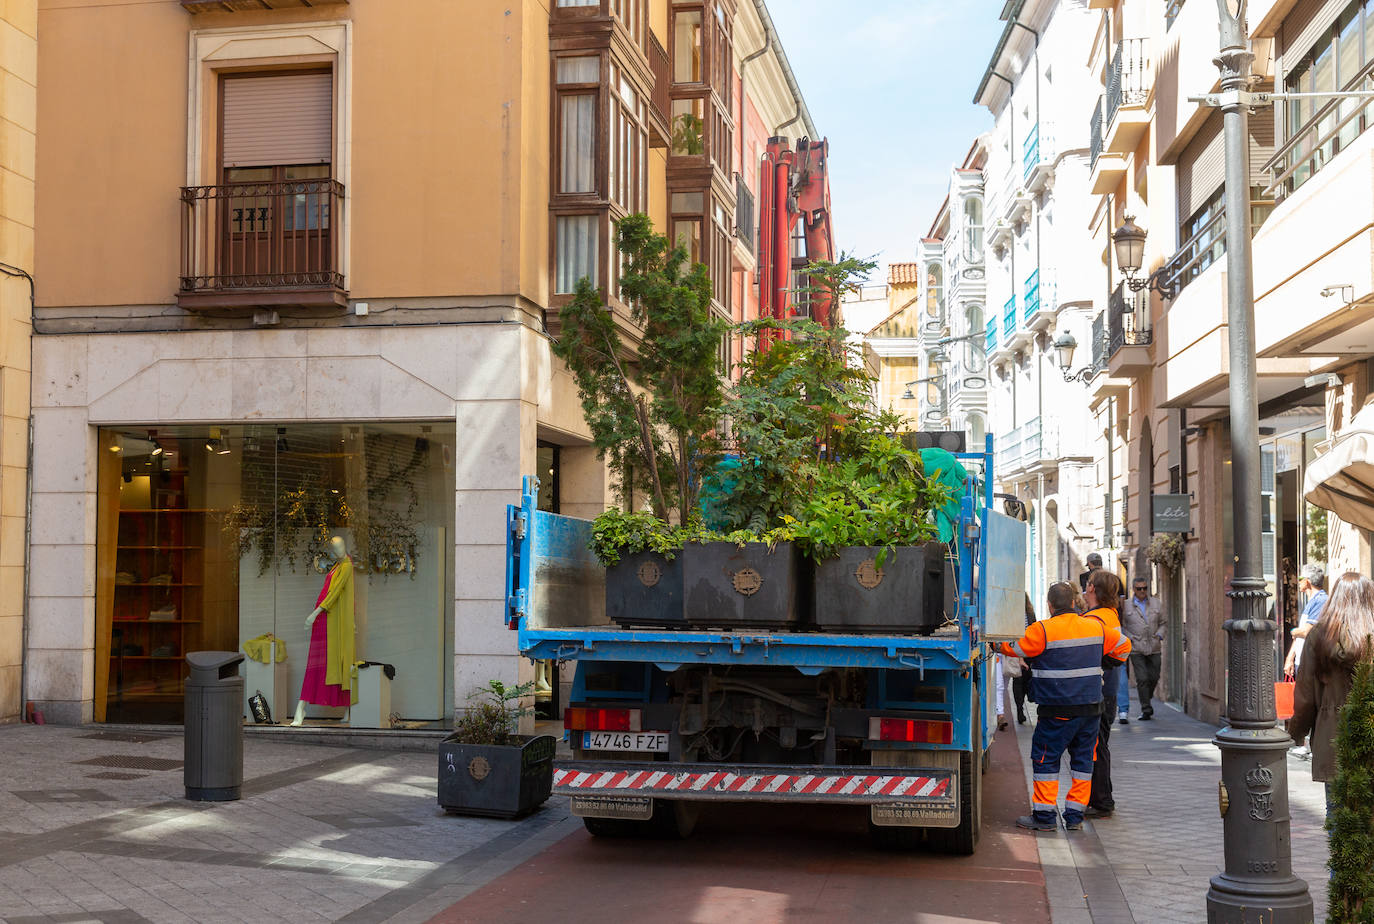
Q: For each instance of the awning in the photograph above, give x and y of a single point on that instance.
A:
(1342, 478)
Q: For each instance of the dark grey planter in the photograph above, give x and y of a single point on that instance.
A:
(645, 589)
(850, 594)
(730, 587)
(497, 781)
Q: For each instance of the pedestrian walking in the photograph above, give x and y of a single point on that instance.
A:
(1103, 597)
(1065, 654)
(1142, 619)
(1313, 583)
(1343, 636)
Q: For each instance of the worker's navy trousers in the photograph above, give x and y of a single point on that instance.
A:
(1053, 736)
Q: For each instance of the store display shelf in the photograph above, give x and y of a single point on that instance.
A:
(160, 548)
(147, 584)
(157, 622)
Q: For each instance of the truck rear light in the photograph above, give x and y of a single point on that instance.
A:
(602, 719)
(925, 731)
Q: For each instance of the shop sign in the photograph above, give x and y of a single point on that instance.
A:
(1171, 513)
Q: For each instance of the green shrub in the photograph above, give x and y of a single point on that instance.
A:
(880, 497)
(616, 533)
(495, 715)
(1351, 821)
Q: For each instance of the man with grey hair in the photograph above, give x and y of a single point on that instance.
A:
(1094, 561)
(1313, 582)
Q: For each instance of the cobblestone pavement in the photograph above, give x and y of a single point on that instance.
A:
(1151, 861)
(94, 826)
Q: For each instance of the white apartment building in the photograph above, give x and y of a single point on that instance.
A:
(1040, 279)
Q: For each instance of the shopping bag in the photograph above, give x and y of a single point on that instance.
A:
(1283, 699)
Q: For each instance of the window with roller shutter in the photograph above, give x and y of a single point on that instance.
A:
(272, 220)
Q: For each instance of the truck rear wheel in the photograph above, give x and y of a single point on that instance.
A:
(672, 820)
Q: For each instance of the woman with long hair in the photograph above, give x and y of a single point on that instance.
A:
(1103, 597)
(1341, 637)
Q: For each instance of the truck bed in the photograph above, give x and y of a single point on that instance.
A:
(808, 652)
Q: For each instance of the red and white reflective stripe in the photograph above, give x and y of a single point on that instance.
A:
(723, 781)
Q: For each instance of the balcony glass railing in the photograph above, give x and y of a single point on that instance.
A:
(1030, 151)
(1032, 294)
(1009, 317)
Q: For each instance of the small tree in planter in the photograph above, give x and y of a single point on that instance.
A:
(820, 459)
(1351, 822)
(652, 416)
(485, 768)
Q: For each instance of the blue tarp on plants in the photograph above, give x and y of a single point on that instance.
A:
(941, 467)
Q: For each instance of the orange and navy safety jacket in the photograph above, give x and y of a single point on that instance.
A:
(1065, 655)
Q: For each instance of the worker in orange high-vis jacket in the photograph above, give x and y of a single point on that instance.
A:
(1065, 654)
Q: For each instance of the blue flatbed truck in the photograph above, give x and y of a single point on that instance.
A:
(660, 721)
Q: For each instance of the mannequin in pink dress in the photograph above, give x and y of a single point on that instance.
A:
(328, 671)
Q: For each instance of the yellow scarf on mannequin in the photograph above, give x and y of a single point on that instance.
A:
(338, 607)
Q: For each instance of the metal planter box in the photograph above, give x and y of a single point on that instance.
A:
(497, 781)
(728, 586)
(645, 589)
(851, 594)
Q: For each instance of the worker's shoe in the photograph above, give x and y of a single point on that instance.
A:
(1073, 824)
(1035, 824)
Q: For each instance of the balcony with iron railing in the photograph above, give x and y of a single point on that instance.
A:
(1130, 77)
(263, 245)
(1099, 345)
(1105, 168)
(1128, 331)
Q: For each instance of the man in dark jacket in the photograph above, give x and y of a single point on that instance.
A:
(1065, 654)
(1094, 562)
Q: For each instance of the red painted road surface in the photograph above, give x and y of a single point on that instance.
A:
(760, 864)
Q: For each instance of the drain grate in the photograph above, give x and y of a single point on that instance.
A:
(125, 737)
(114, 775)
(131, 762)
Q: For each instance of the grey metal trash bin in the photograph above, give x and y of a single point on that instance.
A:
(214, 726)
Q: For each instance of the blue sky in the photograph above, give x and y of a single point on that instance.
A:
(890, 83)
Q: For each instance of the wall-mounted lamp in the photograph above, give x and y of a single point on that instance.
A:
(908, 396)
(1346, 292)
(1064, 345)
(1129, 243)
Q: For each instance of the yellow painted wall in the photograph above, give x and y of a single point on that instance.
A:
(448, 193)
(18, 124)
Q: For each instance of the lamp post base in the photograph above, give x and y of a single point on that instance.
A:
(1258, 886)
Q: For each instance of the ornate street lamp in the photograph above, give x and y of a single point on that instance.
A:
(1258, 882)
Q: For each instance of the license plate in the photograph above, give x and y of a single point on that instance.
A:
(625, 741)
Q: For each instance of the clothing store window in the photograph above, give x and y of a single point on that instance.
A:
(220, 538)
